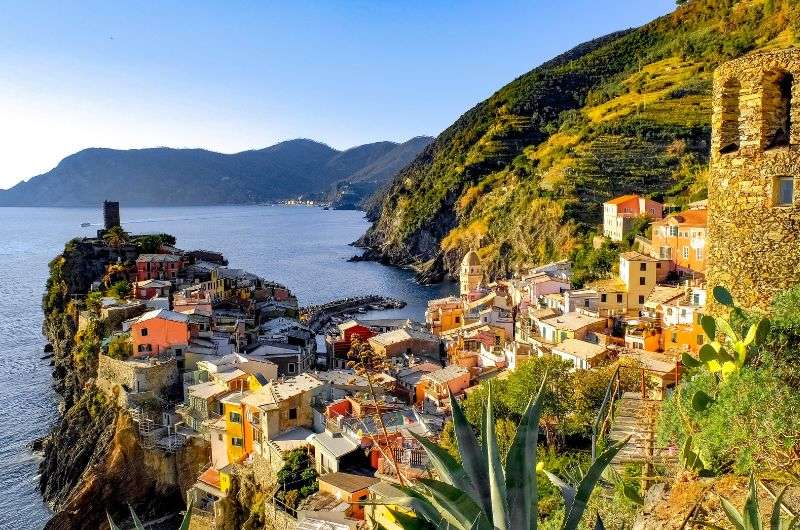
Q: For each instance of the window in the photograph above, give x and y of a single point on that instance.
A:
(674, 337)
(685, 252)
(236, 442)
(458, 320)
(729, 129)
(784, 191)
(696, 301)
(291, 368)
(603, 298)
(698, 253)
(586, 303)
(642, 280)
(643, 267)
(292, 414)
(236, 417)
(776, 103)
(700, 339)
(144, 348)
(673, 231)
(219, 437)
(619, 298)
(144, 332)
(641, 299)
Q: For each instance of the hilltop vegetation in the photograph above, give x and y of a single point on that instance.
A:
(522, 175)
(164, 176)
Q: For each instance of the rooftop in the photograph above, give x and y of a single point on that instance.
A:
(632, 255)
(164, 314)
(336, 444)
(572, 321)
(158, 257)
(622, 199)
(397, 336)
(207, 390)
(696, 218)
(581, 349)
(447, 374)
(348, 482)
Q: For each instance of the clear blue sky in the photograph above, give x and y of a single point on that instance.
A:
(231, 76)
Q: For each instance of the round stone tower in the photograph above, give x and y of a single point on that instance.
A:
(471, 274)
(754, 185)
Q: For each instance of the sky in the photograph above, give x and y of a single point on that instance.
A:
(233, 75)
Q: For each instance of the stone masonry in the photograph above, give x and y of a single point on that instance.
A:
(753, 232)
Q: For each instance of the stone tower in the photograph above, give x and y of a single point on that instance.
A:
(471, 274)
(754, 185)
(111, 214)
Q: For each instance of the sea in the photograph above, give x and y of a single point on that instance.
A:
(305, 248)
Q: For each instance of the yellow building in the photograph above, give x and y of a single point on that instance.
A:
(381, 514)
(233, 410)
(471, 274)
(628, 292)
(444, 314)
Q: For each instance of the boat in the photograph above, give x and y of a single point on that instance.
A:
(84, 225)
(326, 208)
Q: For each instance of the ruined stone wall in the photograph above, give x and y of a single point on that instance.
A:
(116, 378)
(753, 241)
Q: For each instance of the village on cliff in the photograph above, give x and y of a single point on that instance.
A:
(216, 358)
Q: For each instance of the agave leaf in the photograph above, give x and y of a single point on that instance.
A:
(690, 362)
(775, 518)
(473, 458)
(456, 506)
(406, 521)
(448, 470)
(111, 523)
(567, 491)
(598, 524)
(588, 483)
(701, 401)
(723, 296)
(497, 481)
(709, 325)
(733, 514)
(187, 518)
(414, 499)
(521, 467)
(137, 523)
(752, 515)
(707, 353)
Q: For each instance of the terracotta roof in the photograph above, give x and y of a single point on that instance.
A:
(572, 321)
(164, 314)
(687, 218)
(632, 255)
(621, 200)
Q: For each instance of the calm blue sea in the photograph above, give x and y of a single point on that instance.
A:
(305, 248)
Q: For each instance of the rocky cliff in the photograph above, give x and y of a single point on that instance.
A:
(522, 175)
(93, 461)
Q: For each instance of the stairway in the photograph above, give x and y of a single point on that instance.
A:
(636, 417)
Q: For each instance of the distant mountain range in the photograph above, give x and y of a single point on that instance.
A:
(165, 176)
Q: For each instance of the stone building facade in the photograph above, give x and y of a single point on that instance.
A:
(754, 186)
(131, 382)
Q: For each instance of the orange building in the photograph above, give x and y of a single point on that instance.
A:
(681, 238)
(444, 314)
(619, 214)
(158, 331)
(683, 337)
(352, 489)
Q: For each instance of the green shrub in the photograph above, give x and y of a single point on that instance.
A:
(752, 427)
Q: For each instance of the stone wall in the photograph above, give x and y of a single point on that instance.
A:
(119, 379)
(753, 241)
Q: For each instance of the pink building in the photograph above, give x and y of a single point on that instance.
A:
(619, 213)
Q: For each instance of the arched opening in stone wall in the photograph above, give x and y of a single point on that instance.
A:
(776, 101)
(729, 126)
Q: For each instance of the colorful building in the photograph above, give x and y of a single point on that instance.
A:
(619, 214)
(160, 331)
(681, 239)
(158, 266)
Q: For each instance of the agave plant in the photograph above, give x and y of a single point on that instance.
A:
(479, 494)
(750, 517)
(137, 523)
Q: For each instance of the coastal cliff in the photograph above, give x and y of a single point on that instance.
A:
(93, 462)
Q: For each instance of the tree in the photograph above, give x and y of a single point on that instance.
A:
(116, 237)
(120, 290)
(120, 347)
(365, 361)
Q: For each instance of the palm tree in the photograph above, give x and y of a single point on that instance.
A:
(115, 237)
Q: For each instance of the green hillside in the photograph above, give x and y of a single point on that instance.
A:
(522, 175)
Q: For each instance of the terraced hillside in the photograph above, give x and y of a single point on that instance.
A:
(522, 175)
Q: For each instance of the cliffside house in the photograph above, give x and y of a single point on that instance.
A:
(158, 266)
(619, 214)
(627, 293)
(349, 488)
(147, 289)
(160, 331)
(681, 239)
(444, 314)
(408, 340)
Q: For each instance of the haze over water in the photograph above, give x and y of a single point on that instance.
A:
(304, 248)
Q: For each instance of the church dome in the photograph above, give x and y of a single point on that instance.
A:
(471, 259)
